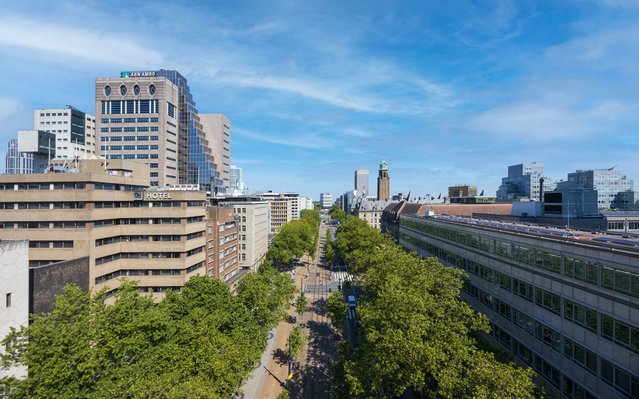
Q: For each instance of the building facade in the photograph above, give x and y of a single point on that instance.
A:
(151, 117)
(362, 182)
(217, 130)
(16, 162)
(383, 183)
(222, 243)
(524, 182)
(74, 131)
(104, 209)
(464, 190)
(14, 293)
(564, 305)
(326, 200)
(251, 213)
(614, 190)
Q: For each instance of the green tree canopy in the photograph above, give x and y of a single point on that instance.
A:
(201, 342)
(415, 334)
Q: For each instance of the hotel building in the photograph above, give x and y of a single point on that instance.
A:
(106, 210)
(563, 302)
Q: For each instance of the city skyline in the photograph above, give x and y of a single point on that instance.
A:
(446, 94)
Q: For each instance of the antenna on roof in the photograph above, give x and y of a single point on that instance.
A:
(612, 167)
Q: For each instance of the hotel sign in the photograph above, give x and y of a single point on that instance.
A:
(144, 74)
(151, 196)
(157, 195)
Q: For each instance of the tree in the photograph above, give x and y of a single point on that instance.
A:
(415, 333)
(336, 309)
(337, 213)
(302, 304)
(295, 342)
(201, 342)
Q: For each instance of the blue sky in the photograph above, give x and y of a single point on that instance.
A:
(446, 92)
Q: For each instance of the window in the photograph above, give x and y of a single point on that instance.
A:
(7, 300)
(523, 290)
(581, 315)
(620, 333)
(581, 270)
(580, 355)
(171, 110)
(548, 300)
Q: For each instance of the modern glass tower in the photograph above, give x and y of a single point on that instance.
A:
(195, 157)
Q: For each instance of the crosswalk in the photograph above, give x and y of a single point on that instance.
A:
(341, 276)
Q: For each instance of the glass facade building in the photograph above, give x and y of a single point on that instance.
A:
(17, 162)
(195, 158)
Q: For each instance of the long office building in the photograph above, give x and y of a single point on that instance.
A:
(151, 116)
(217, 130)
(106, 210)
(563, 302)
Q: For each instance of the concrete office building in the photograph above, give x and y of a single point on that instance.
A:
(565, 305)
(41, 146)
(251, 213)
(326, 200)
(523, 183)
(284, 207)
(104, 209)
(362, 182)
(614, 190)
(222, 243)
(151, 116)
(370, 212)
(217, 130)
(383, 183)
(14, 293)
(74, 131)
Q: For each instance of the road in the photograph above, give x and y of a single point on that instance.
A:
(314, 378)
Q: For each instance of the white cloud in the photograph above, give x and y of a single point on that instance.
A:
(103, 47)
(546, 121)
(310, 141)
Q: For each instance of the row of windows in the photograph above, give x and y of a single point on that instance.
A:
(193, 268)
(42, 225)
(611, 329)
(138, 255)
(42, 205)
(125, 221)
(129, 138)
(130, 107)
(141, 238)
(145, 290)
(129, 129)
(128, 147)
(131, 156)
(136, 272)
(129, 120)
(581, 356)
(117, 187)
(42, 186)
(613, 279)
(50, 244)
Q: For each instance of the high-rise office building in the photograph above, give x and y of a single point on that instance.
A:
(326, 200)
(217, 130)
(40, 146)
(362, 182)
(565, 305)
(236, 181)
(151, 116)
(74, 131)
(523, 182)
(16, 162)
(383, 183)
(614, 190)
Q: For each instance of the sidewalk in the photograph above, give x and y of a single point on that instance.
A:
(265, 381)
